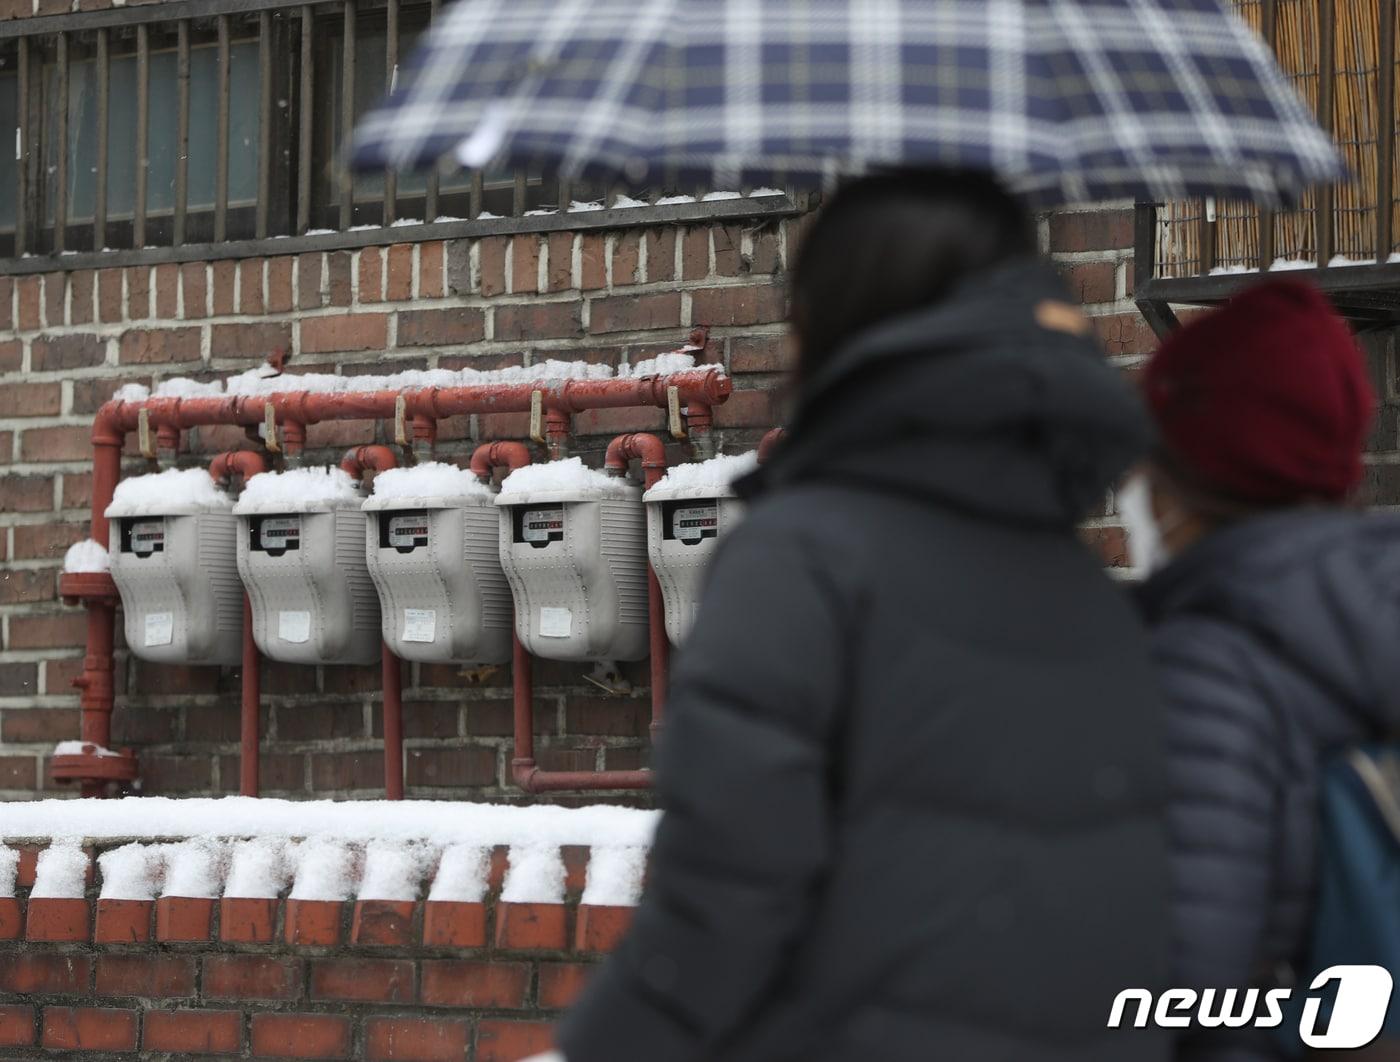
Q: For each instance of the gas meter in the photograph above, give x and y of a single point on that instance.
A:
(573, 546)
(301, 553)
(431, 543)
(688, 512)
(172, 549)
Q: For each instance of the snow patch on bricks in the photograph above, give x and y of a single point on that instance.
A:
(615, 875)
(396, 871)
(463, 874)
(61, 872)
(535, 875)
(259, 869)
(89, 555)
(9, 871)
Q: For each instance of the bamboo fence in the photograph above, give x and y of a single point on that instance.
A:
(1189, 245)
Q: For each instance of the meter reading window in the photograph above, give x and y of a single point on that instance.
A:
(539, 527)
(690, 522)
(274, 535)
(404, 531)
(143, 537)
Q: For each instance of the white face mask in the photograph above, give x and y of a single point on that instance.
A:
(1146, 550)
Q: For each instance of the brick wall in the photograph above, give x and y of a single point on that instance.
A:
(67, 340)
(418, 981)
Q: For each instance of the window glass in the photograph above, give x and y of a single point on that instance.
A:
(9, 172)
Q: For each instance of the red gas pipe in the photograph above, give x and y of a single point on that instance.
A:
(770, 442)
(488, 457)
(357, 461)
(246, 464)
(293, 412)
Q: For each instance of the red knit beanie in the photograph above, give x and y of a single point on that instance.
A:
(1265, 400)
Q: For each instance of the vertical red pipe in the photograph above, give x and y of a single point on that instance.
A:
(249, 710)
(522, 764)
(356, 462)
(98, 691)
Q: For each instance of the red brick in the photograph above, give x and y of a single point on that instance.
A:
(200, 1032)
(52, 631)
(607, 716)
(251, 977)
(158, 346)
(531, 926)
(30, 296)
(249, 340)
(77, 351)
(109, 295)
(53, 919)
(250, 286)
(695, 254)
(492, 265)
(474, 765)
(601, 929)
(745, 409)
(16, 1025)
(43, 725)
(631, 313)
(194, 290)
(27, 586)
(382, 923)
(279, 284)
(138, 292)
(76, 492)
(767, 253)
(163, 976)
(593, 256)
(454, 924)
(248, 920)
(1109, 543)
(309, 269)
(1124, 333)
(760, 354)
(225, 274)
(525, 264)
(313, 923)
(661, 254)
(55, 298)
(541, 320)
(1091, 282)
(747, 305)
(627, 258)
(370, 275)
(431, 328)
(430, 269)
(11, 355)
(167, 284)
(123, 922)
(340, 271)
(561, 983)
(478, 985)
(561, 261)
(18, 772)
(64, 443)
(415, 1040)
(31, 400)
(89, 1029)
(301, 1036)
(11, 918)
(18, 680)
(363, 980)
(508, 1041)
(1098, 230)
(28, 865)
(184, 918)
(362, 331)
(48, 973)
(347, 770)
(729, 257)
(7, 291)
(398, 273)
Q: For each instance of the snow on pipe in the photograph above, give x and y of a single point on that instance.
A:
(357, 461)
(246, 464)
(697, 389)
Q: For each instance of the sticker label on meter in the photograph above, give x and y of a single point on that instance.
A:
(694, 522)
(408, 530)
(556, 623)
(147, 537)
(294, 626)
(280, 532)
(537, 525)
(419, 624)
(160, 628)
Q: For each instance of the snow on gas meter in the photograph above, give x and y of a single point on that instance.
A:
(573, 546)
(688, 512)
(431, 542)
(172, 549)
(301, 553)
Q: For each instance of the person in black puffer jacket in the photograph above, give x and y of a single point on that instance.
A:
(1276, 624)
(912, 768)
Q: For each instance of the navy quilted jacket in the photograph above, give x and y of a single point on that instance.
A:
(1278, 640)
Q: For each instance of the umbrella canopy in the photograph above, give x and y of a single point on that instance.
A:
(1065, 100)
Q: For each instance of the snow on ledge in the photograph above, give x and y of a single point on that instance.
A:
(325, 850)
(86, 556)
(176, 491)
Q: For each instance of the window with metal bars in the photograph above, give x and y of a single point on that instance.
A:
(196, 122)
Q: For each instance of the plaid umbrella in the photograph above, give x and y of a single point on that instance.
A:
(1066, 100)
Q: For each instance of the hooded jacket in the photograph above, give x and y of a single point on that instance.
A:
(911, 769)
(1278, 642)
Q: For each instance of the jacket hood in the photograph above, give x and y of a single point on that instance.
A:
(1320, 587)
(971, 403)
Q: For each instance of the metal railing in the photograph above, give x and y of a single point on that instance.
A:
(176, 126)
